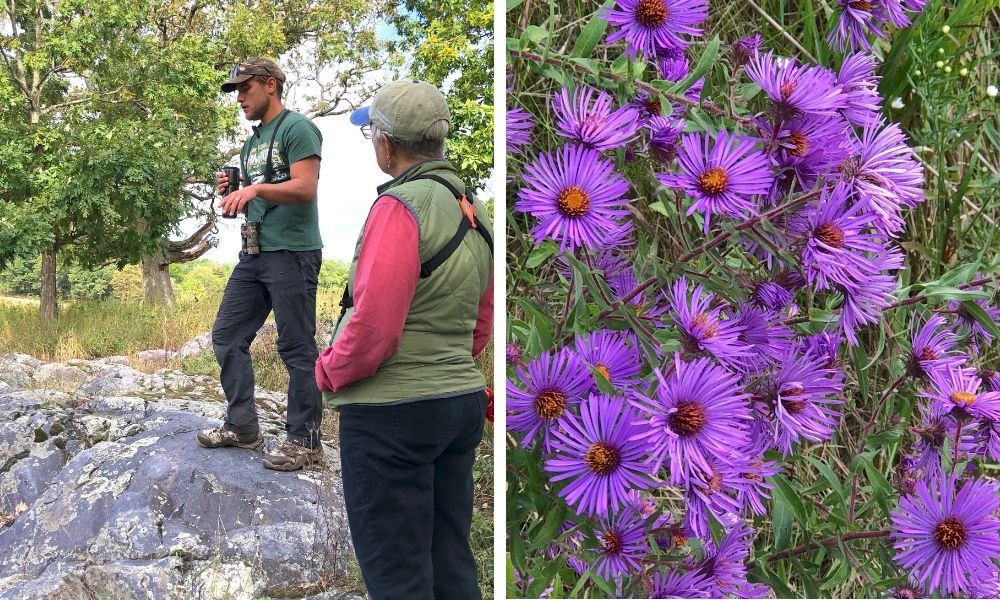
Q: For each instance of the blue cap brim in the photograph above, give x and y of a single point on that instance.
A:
(360, 117)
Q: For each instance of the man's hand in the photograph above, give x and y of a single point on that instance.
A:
(222, 182)
(234, 203)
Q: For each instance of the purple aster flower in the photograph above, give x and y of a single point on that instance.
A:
(553, 382)
(967, 323)
(596, 453)
(862, 102)
(865, 299)
(745, 49)
(663, 136)
(702, 327)
(519, 125)
(752, 590)
(724, 564)
(622, 540)
(826, 345)
(576, 196)
(652, 25)
(948, 538)
(757, 489)
(594, 122)
(763, 331)
(955, 391)
(698, 411)
(805, 397)
(721, 175)
(795, 90)
(514, 353)
(771, 296)
(991, 379)
(647, 305)
(678, 584)
(932, 347)
(714, 492)
(936, 427)
(837, 239)
(676, 70)
(857, 19)
(614, 356)
(908, 592)
(883, 176)
(812, 147)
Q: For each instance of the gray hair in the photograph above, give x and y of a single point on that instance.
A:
(431, 146)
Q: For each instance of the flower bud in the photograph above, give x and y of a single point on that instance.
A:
(945, 29)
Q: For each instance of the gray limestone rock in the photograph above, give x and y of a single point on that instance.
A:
(111, 497)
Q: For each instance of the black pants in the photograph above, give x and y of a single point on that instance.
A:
(285, 282)
(408, 488)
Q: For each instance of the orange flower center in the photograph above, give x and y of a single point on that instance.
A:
(603, 370)
(787, 88)
(963, 398)
(830, 234)
(602, 458)
(651, 13)
(612, 542)
(793, 407)
(550, 404)
(688, 419)
(801, 143)
(928, 353)
(709, 328)
(950, 533)
(713, 181)
(861, 5)
(574, 202)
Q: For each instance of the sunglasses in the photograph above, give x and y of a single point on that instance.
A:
(366, 130)
(244, 69)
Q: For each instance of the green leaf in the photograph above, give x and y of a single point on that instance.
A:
(511, 5)
(532, 35)
(550, 528)
(945, 292)
(660, 208)
(541, 254)
(789, 496)
(592, 33)
(781, 517)
(976, 312)
(880, 485)
(705, 63)
(831, 477)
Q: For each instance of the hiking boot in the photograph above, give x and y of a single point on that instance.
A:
(291, 456)
(220, 437)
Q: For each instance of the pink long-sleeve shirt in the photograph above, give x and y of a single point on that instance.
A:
(389, 266)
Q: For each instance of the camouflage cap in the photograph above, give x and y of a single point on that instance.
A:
(404, 109)
(243, 71)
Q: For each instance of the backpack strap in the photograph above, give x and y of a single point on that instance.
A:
(470, 222)
(426, 268)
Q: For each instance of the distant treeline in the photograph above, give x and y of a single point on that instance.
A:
(194, 280)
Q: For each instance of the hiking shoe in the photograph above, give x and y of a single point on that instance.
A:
(291, 456)
(220, 437)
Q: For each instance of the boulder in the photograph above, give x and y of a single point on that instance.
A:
(104, 493)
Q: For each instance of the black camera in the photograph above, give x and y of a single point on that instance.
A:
(233, 173)
(250, 233)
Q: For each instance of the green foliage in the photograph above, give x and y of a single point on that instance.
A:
(827, 492)
(452, 43)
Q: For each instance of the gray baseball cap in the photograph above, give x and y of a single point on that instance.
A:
(243, 71)
(404, 109)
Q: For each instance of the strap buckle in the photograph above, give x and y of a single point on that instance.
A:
(469, 210)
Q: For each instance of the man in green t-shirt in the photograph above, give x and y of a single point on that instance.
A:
(280, 172)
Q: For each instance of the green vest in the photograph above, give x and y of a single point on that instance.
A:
(434, 357)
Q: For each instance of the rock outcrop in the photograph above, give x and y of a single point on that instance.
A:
(104, 493)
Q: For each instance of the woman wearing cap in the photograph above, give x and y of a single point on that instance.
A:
(418, 307)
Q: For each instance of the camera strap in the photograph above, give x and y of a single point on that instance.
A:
(269, 163)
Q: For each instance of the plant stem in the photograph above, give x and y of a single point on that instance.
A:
(864, 441)
(830, 541)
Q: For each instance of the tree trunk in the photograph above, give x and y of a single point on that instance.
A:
(48, 307)
(156, 278)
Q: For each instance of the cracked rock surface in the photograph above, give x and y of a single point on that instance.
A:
(104, 493)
